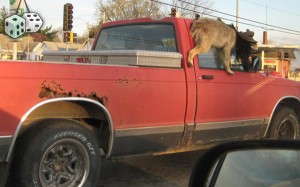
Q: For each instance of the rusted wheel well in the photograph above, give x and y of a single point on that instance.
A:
(94, 117)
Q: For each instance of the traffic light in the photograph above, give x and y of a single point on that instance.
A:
(70, 37)
(68, 17)
(67, 37)
(73, 37)
(173, 12)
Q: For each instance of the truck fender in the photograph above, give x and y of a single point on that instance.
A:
(74, 99)
(284, 101)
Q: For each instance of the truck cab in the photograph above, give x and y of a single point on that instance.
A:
(132, 94)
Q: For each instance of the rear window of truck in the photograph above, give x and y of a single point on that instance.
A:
(153, 37)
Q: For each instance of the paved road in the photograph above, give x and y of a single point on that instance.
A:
(160, 171)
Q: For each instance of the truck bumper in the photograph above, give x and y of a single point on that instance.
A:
(5, 142)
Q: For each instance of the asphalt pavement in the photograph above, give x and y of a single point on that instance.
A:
(171, 170)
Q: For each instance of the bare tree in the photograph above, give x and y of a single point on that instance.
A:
(91, 31)
(127, 9)
(3, 14)
(192, 7)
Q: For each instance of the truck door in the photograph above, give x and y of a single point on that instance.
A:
(228, 106)
(147, 101)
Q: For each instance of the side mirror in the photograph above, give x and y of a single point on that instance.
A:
(253, 64)
(257, 63)
(249, 163)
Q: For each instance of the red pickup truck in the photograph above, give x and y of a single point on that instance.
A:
(132, 94)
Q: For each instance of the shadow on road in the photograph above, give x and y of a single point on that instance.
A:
(164, 170)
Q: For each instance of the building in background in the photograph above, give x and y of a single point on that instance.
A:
(6, 45)
(277, 60)
(36, 49)
(33, 53)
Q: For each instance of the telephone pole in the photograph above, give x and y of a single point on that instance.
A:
(237, 14)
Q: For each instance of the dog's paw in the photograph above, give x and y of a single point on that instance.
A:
(190, 64)
(230, 72)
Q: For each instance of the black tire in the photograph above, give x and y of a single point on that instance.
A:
(56, 153)
(4, 171)
(284, 125)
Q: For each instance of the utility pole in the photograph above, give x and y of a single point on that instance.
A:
(237, 14)
(14, 6)
(265, 33)
(28, 52)
(266, 17)
(103, 17)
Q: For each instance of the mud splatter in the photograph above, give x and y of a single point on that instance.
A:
(51, 89)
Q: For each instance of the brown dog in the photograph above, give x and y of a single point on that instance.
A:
(209, 33)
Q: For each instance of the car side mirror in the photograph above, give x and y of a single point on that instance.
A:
(249, 163)
(252, 64)
(257, 63)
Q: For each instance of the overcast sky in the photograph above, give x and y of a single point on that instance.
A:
(279, 13)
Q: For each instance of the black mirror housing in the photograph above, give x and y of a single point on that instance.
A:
(205, 164)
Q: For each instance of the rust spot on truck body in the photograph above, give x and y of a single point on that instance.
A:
(51, 89)
(128, 82)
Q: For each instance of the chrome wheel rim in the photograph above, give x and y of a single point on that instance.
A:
(65, 163)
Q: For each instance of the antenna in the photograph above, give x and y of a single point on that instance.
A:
(266, 16)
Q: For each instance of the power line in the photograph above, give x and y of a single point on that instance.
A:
(240, 17)
(220, 12)
(262, 27)
(255, 3)
(276, 9)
